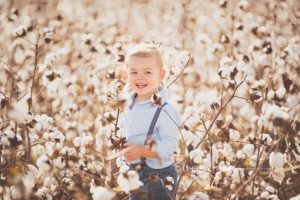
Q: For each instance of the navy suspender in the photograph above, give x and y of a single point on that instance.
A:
(151, 128)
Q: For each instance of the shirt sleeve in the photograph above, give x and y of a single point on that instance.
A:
(168, 123)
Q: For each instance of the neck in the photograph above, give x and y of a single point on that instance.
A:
(143, 98)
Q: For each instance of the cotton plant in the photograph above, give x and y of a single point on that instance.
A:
(248, 42)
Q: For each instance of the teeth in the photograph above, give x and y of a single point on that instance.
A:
(141, 85)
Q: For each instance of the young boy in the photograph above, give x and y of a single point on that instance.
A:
(153, 161)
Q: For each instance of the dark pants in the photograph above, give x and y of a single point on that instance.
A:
(153, 180)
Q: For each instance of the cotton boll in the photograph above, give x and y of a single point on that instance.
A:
(19, 31)
(295, 197)
(77, 141)
(50, 59)
(59, 137)
(37, 150)
(264, 195)
(214, 153)
(252, 190)
(170, 179)
(32, 170)
(87, 140)
(19, 112)
(49, 181)
(248, 149)
(225, 60)
(182, 59)
(278, 174)
(266, 138)
(68, 150)
(218, 177)
(237, 175)
(19, 55)
(130, 181)
(124, 168)
(44, 164)
(199, 196)
(227, 151)
(59, 162)
(50, 147)
(44, 193)
(253, 160)
(43, 122)
(274, 197)
(196, 155)
(240, 154)
(49, 77)
(15, 192)
(100, 193)
(29, 182)
(243, 4)
(276, 160)
(228, 170)
(280, 93)
(234, 135)
(228, 119)
(270, 189)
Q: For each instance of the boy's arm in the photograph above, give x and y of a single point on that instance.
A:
(139, 151)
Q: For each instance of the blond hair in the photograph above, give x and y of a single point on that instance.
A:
(145, 51)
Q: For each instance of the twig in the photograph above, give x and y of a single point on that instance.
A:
(4, 121)
(222, 90)
(25, 38)
(187, 189)
(42, 142)
(116, 124)
(179, 179)
(10, 70)
(242, 98)
(35, 68)
(242, 187)
(29, 144)
(3, 94)
(208, 129)
(221, 109)
(179, 74)
(21, 97)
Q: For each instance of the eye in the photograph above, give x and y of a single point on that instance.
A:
(148, 72)
(132, 73)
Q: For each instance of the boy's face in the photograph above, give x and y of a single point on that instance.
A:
(143, 75)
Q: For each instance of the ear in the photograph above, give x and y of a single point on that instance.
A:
(162, 74)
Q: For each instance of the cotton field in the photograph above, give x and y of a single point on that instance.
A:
(232, 74)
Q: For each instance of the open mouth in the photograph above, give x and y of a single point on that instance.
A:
(140, 86)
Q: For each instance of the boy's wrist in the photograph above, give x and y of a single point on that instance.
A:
(143, 150)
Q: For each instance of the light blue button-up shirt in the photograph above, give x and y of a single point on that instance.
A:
(166, 133)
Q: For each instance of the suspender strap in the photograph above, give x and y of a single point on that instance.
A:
(151, 128)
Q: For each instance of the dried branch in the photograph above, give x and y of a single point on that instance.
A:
(257, 170)
(35, 68)
(208, 129)
(182, 70)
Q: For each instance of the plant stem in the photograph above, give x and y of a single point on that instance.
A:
(35, 68)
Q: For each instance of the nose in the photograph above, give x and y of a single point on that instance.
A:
(140, 77)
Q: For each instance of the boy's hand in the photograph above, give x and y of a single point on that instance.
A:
(134, 153)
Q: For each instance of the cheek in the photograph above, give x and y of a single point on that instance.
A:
(131, 81)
